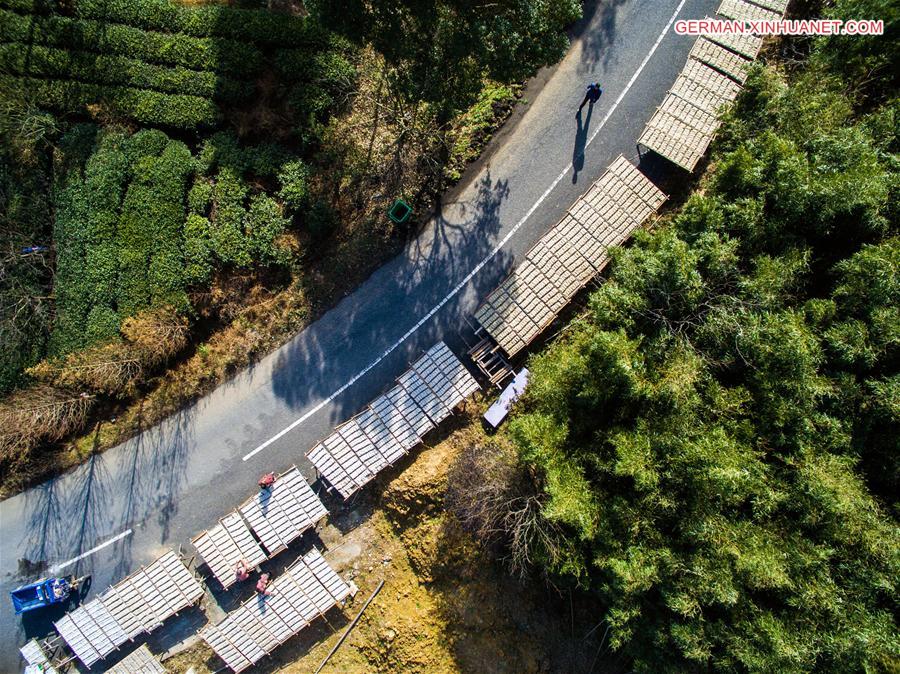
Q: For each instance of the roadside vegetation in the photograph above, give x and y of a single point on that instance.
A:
(710, 452)
(445, 605)
(183, 187)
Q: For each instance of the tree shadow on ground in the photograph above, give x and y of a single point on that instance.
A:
(74, 512)
(386, 308)
(600, 17)
(498, 623)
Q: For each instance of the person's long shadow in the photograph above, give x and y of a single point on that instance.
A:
(581, 134)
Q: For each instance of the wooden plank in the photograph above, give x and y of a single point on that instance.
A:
(223, 647)
(326, 464)
(437, 382)
(281, 514)
(139, 661)
(414, 415)
(710, 79)
(392, 419)
(650, 194)
(699, 96)
(129, 608)
(689, 114)
(344, 454)
(779, 6)
(79, 643)
(418, 390)
(720, 58)
(747, 46)
(327, 576)
(375, 428)
(361, 446)
(577, 266)
(456, 374)
(668, 136)
(745, 11)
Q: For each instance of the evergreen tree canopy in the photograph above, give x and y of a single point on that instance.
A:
(442, 49)
(718, 437)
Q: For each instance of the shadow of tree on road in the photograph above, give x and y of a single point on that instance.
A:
(352, 335)
(600, 17)
(70, 514)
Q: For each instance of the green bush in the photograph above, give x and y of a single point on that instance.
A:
(311, 104)
(73, 150)
(150, 230)
(321, 220)
(226, 232)
(236, 59)
(240, 235)
(105, 172)
(29, 6)
(166, 276)
(166, 272)
(197, 250)
(102, 325)
(246, 25)
(200, 196)
(293, 178)
(145, 143)
(223, 150)
(329, 69)
(102, 272)
(20, 59)
(148, 107)
(71, 283)
(263, 224)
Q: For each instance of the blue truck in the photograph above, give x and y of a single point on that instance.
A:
(43, 592)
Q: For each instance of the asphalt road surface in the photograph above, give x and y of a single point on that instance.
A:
(177, 478)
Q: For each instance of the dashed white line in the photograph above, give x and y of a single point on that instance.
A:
(57, 567)
(459, 286)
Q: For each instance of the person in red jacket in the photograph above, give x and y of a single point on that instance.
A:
(242, 571)
(262, 585)
(266, 481)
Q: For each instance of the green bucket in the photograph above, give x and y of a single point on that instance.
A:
(400, 211)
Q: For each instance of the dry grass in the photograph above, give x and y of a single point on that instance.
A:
(446, 605)
(380, 149)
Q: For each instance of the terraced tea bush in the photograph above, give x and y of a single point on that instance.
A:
(237, 59)
(55, 63)
(258, 26)
(294, 179)
(148, 107)
(149, 231)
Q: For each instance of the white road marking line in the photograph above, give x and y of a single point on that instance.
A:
(57, 567)
(483, 262)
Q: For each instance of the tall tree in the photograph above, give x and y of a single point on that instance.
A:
(442, 49)
(714, 445)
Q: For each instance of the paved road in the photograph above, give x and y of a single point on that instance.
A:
(177, 478)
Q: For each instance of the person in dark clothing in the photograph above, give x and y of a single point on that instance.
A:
(592, 95)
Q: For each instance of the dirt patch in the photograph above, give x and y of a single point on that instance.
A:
(446, 606)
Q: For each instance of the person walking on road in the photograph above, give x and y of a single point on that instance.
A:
(592, 95)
